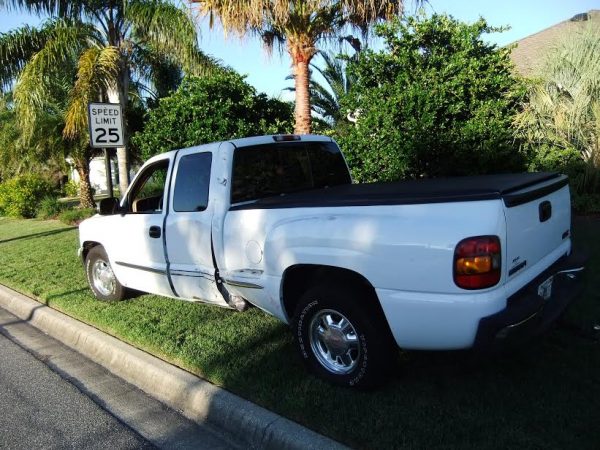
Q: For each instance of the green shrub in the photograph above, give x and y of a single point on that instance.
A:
(76, 215)
(586, 203)
(71, 189)
(21, 196)
(50, 208)
(438, 101)
(584, 178)
(211, 108)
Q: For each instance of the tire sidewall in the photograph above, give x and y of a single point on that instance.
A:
(366, 373)
(96, 254)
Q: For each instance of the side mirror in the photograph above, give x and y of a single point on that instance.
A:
(108, 206)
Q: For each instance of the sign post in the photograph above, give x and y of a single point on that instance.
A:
(108, 170)
(106, 131)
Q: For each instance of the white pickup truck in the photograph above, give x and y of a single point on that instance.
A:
(357, 270)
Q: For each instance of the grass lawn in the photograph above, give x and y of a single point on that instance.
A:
(546, 395)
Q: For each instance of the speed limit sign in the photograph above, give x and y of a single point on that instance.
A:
(106, 125)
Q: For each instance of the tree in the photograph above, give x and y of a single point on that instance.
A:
(560, 122)
(325, 97)
(36, 145)
(120, 47)
(438, 101)
(9, 136)
(301, 25)
(563, 107)
(211, 108)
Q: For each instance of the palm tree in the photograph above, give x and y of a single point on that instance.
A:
(41, 105)
(325, 97)
(301, 25)
(34, 141)
(119, 46)
(563, 108)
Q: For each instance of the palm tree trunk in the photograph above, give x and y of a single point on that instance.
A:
(86, 198)
(301, 82)
(115, 96)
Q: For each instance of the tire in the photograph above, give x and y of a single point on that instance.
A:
(101, 278)
(341, 339)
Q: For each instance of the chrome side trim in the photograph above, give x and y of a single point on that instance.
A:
(146, 269)
(243, 284)
(192, 274)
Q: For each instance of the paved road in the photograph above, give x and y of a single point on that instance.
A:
(41, 410)
(52, 397)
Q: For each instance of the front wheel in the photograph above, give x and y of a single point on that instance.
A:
(101, 278)
(341, 340)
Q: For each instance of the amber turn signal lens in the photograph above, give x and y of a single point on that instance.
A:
(477, 264)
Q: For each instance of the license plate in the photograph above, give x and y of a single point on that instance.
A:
(545, 289)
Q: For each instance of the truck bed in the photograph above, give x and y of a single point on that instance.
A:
(512, 188)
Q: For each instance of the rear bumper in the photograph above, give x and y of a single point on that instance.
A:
(527, 313)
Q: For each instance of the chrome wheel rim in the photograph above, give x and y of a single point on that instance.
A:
(103, 277)
(334, 341)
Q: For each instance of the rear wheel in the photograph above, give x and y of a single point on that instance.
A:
(101, 278)
(340, 339)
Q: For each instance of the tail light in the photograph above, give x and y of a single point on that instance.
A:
(477, 262)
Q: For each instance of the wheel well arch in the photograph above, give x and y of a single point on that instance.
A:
(299, 278)
(86, 247)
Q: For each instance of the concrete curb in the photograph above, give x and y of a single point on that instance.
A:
(194, 397)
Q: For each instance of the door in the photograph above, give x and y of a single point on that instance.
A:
(188, 225)
(139, 254)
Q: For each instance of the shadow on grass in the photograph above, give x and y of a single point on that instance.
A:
(130, 295)
(545, 394)
(541, 394)
(37, 235)
(51, 297)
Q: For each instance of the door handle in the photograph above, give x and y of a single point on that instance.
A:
(545, 211)
(154, 231)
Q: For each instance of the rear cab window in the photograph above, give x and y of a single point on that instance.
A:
(269, 170)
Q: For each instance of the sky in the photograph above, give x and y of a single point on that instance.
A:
(268, 72)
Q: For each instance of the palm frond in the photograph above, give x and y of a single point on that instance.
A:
(97, 72)
(53, 8)
(170, 31)
(314, 17)
(325, 96)
(160, 75)
(562, 104)
(66, 39)
(16, 48)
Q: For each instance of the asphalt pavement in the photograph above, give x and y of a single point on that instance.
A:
(167, 406)
(41, 410)
(53, 397)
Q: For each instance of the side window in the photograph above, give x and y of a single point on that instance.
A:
(191, 185)
(146, 196)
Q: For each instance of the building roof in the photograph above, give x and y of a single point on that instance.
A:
(531, 50)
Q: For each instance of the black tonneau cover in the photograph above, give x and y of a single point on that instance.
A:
(436, 190)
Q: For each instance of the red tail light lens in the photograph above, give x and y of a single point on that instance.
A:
(477, 262)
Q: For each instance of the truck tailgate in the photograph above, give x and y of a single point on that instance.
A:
(538, 220)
